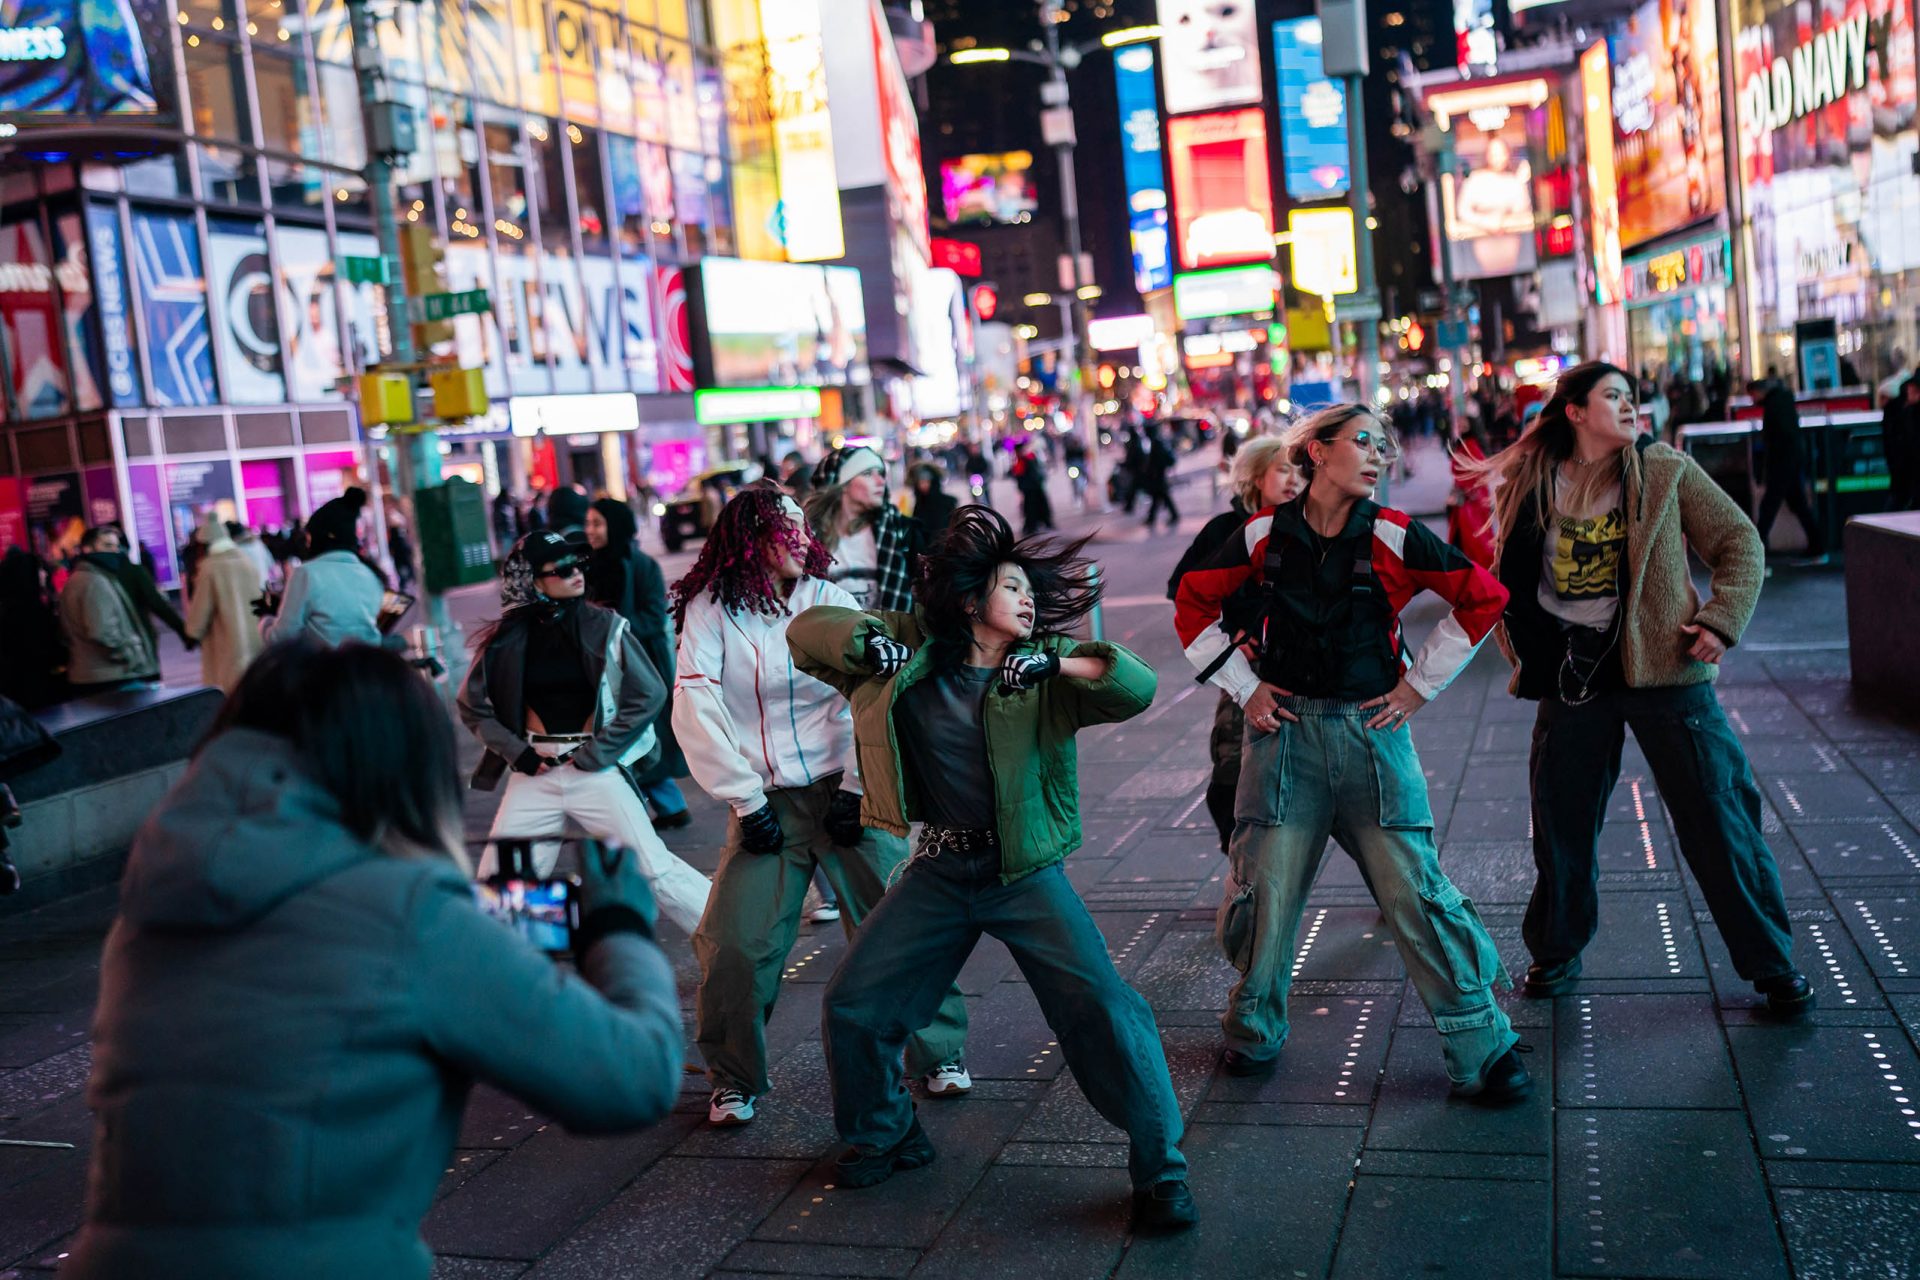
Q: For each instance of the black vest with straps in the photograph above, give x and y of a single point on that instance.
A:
(1329, 629)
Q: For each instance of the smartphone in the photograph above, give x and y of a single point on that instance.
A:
(546, 912)
(393, 607)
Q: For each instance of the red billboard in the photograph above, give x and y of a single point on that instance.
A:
(961, 257)
(1222, 194)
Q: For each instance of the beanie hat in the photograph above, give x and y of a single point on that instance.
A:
(334, 527)
(842, 465)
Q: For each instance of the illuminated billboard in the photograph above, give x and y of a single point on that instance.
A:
(989, 188)
(1666, 115)
(1486, 202)
(802, 131)
(1211, 54)
(1234, 291)
(1313, 113)
(778, 324)
(1140, 167)
(1603, 192)
(64, 62)
(1325, 261)
(1222, 197)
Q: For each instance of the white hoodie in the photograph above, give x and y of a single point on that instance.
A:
(750, 721)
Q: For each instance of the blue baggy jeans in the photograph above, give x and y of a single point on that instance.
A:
(1330, 775)
(911, 948)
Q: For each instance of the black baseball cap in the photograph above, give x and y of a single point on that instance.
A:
(548, 552)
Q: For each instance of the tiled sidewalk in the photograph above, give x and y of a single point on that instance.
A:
(1674, 1134)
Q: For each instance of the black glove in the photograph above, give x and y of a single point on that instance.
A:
(267, 605)
(760, 831)
(1025, 670)
(614, 895)
(843, 819)
(529, 762)
(886, 655)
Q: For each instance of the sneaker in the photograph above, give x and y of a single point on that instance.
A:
(949, 1080)
(1236, 1063)
(867, 1167)
(818, 909)
(1163, 1208)
(729, 1107)
(1505, 1082)
(1547, 980)
(1789, 995)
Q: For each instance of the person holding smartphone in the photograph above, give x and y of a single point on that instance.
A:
(776, 745)
(964, 714)
(1328, 751)
(563, 698)
(301, 990)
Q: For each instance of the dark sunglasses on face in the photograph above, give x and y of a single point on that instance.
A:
(563, 568)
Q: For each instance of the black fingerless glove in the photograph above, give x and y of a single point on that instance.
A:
(529, 762)
(760, 831)
(886, 655)
(843, 819)
(1025, 670)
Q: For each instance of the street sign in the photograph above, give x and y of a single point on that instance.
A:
(445, 306)
(1453, 333)
(1358, 309)
(364, 270)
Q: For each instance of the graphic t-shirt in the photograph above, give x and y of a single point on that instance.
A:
(1580, 561)
(856, 566)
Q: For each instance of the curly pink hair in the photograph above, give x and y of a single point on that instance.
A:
(733, 563)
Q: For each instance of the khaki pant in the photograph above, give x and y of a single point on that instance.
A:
(754, 917)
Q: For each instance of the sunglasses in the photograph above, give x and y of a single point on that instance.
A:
(565, 567)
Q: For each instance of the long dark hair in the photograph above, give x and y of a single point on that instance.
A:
(957, 574)
(733, 563)
(1526, 467)
(368, 729)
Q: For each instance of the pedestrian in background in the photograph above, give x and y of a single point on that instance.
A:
(1263, 477)
(1470, 501)
(933, 506)
(255, 550)
(625, 579)
(108, 645)
(776, 746)
(1784, 465)
(563, 698)
(33, 656)
(1156, 479)
(150, 604)
(1605, 630)
(1900, 430)
(335, 595)
(300, 992)
(1329, 753)
(964, 712)
(872, 545)
(1030, 477)
(220, 608)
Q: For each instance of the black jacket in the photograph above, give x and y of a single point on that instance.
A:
(1780, 429)
(933, 511)
(1242, 609)
(633, 587)
(148, 601)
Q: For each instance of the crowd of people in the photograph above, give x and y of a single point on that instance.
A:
(300, 990)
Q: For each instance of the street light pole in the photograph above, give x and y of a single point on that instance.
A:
(1056, 97)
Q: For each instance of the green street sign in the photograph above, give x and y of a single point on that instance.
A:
(364, 270)
(445, 306)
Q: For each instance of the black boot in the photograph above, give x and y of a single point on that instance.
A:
(1789, 995)
(1163, 1208)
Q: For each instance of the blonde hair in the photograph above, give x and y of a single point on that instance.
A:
(1250, 467)
(1324, 425)
(1526, 468)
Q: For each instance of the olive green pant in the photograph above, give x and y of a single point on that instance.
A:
(753, 918)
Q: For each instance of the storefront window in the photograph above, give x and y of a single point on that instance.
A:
(30, 323)
(589, 189)
(161, 175)
(246, 329)
(340, 121)
(288, 120)
(271, 23)
(517, 310)
(173, 305)
(227, 176)
(300, 188)
(310, 311)
(207, 15)
(216, 90)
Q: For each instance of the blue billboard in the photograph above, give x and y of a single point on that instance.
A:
(1140, 166)
(1313, 113)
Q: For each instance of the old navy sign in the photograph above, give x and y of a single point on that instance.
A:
(1702, 264)
(1816, 74)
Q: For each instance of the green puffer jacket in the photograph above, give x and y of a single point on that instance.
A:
(1036, 780)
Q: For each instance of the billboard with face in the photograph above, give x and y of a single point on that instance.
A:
(1210, 55)
(1487, 201)
(1666, 115)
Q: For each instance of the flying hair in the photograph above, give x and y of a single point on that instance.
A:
(733, 563)
(956, 575)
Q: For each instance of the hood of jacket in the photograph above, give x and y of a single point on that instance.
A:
(242, 832)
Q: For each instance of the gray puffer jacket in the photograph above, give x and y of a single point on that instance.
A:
(290, 1021)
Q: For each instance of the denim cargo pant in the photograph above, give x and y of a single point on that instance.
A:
(753, 918)
(912, 947)
(1703, 776)
(1330, 775)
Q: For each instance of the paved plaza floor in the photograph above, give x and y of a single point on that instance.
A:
(1674, 1132)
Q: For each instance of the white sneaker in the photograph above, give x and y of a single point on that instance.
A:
(729, 1107)
(949, 1080)
(818, 909)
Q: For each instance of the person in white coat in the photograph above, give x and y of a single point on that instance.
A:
(563, 698)
(776, 745)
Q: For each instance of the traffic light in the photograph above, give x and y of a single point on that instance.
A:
(986, 300)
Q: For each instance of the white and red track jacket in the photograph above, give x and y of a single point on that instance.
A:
(1407, 558)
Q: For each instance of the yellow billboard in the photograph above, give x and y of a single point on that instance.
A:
(1324, 260)
(802, 131)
